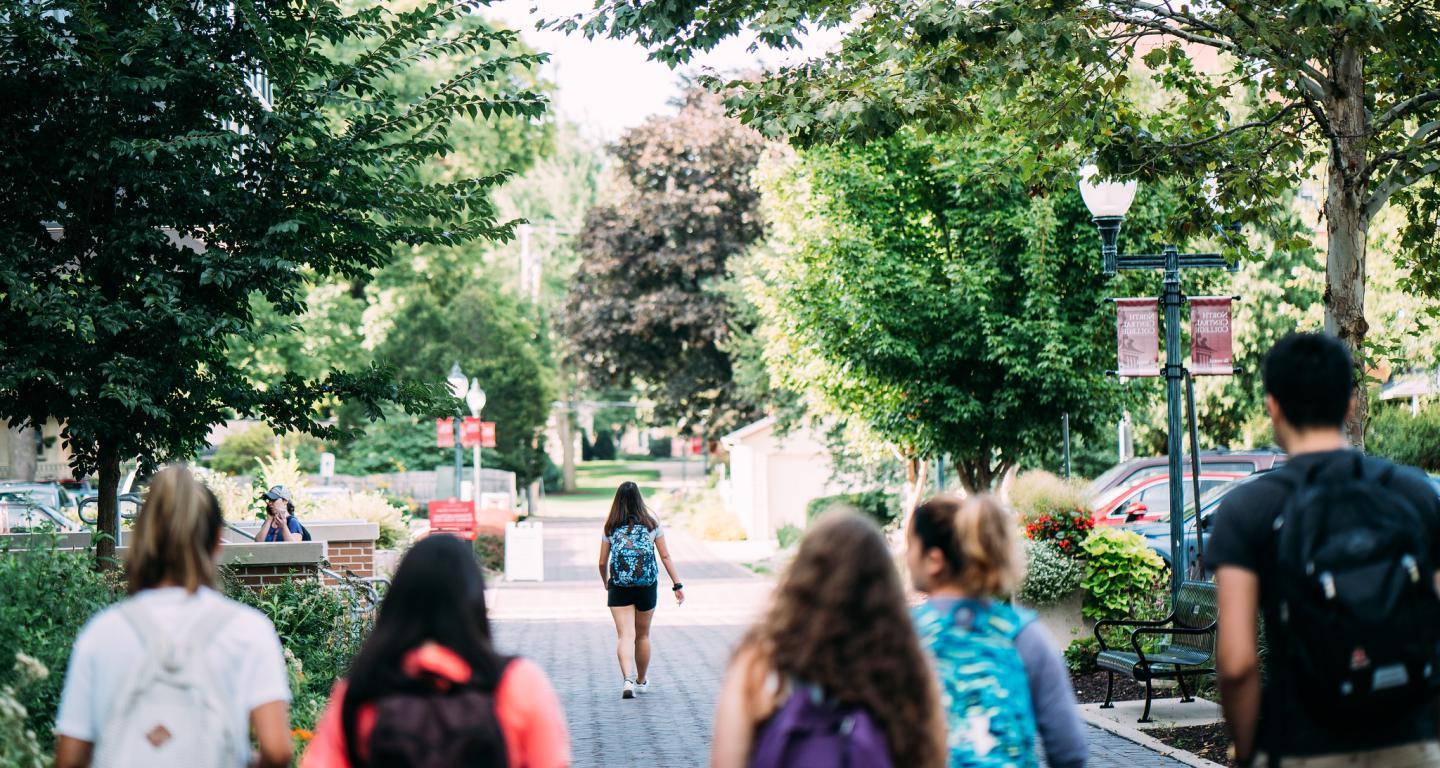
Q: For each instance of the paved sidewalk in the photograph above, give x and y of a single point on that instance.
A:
(564, 626)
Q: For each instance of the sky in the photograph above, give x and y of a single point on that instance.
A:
(606, 86)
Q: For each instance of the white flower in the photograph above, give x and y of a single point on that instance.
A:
(30, 667)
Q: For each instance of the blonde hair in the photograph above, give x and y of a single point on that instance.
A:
(978, 537)
(175, 534)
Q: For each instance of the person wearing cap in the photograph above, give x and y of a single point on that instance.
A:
(280, 523)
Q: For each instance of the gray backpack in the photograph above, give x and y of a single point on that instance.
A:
(170, 712)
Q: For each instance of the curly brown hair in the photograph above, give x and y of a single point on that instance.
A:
(838, 619)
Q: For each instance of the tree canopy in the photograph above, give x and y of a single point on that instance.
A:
(1256, 96)
(643, 306)
(162, 164)
(946, 308)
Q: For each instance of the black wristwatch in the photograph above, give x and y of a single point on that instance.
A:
(677, 587)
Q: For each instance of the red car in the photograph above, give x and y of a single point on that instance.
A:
(1148, 500)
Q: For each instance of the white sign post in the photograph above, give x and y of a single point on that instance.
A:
(327, 466)
(525, 551)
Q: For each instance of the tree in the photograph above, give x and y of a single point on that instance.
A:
(489, 334)
(943, 306)
(151, 183)
(1347, 87)
(642, 306)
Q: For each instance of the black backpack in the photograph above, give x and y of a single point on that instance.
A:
(1357, 608)
(426, 727)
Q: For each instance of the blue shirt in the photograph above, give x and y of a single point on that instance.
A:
(273, 534)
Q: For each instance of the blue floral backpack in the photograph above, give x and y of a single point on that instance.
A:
(983, 686)
(632, 556)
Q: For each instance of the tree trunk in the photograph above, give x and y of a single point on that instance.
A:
(564, 426)
(1346, 222)
(23, 464)
(914, 489)
(107, 506)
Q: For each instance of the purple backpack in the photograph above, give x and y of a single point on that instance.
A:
(811, 731)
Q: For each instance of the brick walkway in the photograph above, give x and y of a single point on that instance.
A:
(564, 626)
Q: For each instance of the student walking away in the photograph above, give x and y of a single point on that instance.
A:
(833, 674)
(1338, 552)
(631, 575)
(280, 521)
(1000, 675)
(428, 689)
(176, 675)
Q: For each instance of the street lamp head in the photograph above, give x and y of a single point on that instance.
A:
(457, 381)
(1105, 199)
(475, 398)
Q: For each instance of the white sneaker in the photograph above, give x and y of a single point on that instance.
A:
(628, 690)
(642, 687)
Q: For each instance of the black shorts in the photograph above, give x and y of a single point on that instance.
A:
(643, 598)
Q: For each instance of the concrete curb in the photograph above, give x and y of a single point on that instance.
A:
(1149, 742)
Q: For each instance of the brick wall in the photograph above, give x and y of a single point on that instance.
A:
(356, 555)
(257, 576)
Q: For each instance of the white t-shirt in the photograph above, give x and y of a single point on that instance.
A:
(245, 656)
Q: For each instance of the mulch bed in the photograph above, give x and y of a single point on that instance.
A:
(1090, 688)
(1208, 741)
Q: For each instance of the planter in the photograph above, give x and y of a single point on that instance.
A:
(1064, 619)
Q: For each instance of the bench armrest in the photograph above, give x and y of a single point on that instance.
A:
(1135, 635)
(1101, 624)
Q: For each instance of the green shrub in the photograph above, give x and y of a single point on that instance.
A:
(46, 596)
(318, 632)
(1122, 575)
(881, 506)
(660, 447)
(490, 551)
(1050, 576)
(604, 447)
(1415, 440)
(1080, 655)
(789, 535)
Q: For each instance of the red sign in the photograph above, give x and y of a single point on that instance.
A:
(1212, 352)
(474, 431)
(453, 516)
(1137, 325)
(697, 446)
(445, 433)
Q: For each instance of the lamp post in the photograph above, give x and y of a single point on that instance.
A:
(475, 398)
(1108, 202)
(457, 383)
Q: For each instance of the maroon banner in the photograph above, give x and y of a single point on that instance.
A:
(1211, 348)
(476, 432)
(445, 433)
(1137, 325)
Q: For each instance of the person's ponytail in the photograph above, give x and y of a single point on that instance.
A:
(979, 539)
(174, 534)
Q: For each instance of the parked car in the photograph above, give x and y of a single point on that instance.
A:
(1157, 534)
(30, 507)
(1134, 470)
(1149, 499)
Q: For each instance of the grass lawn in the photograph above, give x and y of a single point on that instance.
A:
(595, 483)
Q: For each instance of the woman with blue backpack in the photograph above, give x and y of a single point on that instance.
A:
(1000, 675)
(630, 571)
(833, 675)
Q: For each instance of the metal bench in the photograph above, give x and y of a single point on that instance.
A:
(1190, 651)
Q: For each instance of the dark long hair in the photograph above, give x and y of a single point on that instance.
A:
(629, 508)
(437, 595)
(838, 619)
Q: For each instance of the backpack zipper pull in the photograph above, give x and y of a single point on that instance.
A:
(1412, 568)
(1327, 582)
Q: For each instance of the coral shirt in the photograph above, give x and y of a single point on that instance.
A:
(525, 704)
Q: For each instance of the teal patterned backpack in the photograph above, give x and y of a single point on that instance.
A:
(632, 556)
(983, 686)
